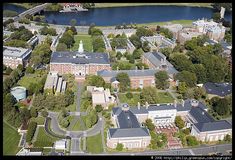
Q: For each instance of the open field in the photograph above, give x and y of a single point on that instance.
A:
(11, 140)
(94, 144)
(164, 97)
(132, 102)
(44, 139)
(86, 40)
(78, 127)
(39, 120)
(104, 5)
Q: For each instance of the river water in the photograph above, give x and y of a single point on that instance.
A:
(120, 15)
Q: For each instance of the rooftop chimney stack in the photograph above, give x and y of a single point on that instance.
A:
(138, 105)
(175, 103)
(142, 68)
(136, 68)
(117, 68)
(182, 102)
(146, 105)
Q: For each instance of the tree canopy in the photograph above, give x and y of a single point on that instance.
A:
(148, 94)
(124, 81)
(161, 80)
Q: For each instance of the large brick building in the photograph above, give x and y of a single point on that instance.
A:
(13, 56)
(79, 63)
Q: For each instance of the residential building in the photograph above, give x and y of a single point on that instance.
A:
(187, 34)
(138, 78)
(61, 144)
(218, 89)
(156, 60)
(70, 7)
(214, 30)
(101, 96)
(33, 41)
(174, 28)
(205, 128)
(79, 63)
(128, 32)
(158, 41)
(13, 56)
(127, 130)
(54, 83)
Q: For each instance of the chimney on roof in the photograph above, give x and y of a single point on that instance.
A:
(117, 68)
(182, 102)
(136, 68)
(175, 103)
(138, 105)
(142, 68)
(146, 105)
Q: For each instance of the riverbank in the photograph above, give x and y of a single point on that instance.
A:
(154, 24)
(106, 5)
(25, 5)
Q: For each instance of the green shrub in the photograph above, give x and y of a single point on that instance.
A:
(31, 130)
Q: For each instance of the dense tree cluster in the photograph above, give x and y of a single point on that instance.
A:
(227, 6)
(158, 140)
(31, 130)
(149, 124)
(179, 122)
(73, 29)
(54, 7)
(124, 81)
(166, 32)
(98, 44)
(95, 80)
(148, 94)
(22, 34)
(48, 31)
(7, 22)
(161, 80)
(67, 38)
(119, 41)
(16, 43)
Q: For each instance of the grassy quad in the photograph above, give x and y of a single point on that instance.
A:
(39, 120)
(86, 40)
(162, 97)
(94, 144)
(44, 139)
(11, 140)
(78, 127)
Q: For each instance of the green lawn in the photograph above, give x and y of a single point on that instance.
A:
(31, 78)
(44, 139)
(78, 126)
(94, 144)
(102, 5)
(132, 102)
(11, 140)
(86, 40)
(39, 120)
(164, 97)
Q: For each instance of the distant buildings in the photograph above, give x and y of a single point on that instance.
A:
(187, 34)
(19, 93)
(218, 89)
(71, 7)
(156, 60)
(138, 78)
(13, 56)
(128, 32)
(214, 30)
(158, 41)
(101, 96)
(54, 83)
(79, 63)
(174, 28)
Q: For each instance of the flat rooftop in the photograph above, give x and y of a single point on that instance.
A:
(14, 51)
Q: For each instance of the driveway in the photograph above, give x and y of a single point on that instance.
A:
(55, 124)
(79, 96)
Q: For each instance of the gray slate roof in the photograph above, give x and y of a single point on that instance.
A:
(161, 107)
(128, 132)
(126, 119)
(131, 73)
(212, 126)
(200, 115)
(81, 58)
(220, 89)
(155, 59)
(188, 106)
(142, 110)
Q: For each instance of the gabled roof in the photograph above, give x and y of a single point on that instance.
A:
(128, 132)
(135, 110)
(213, 126)
(220, 89)
(126, 119)
(79, 58)
(200, 115)
(131, 73)
(187, 105)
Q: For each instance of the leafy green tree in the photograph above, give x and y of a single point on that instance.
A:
(182, 88)
(129, 95)
(216, 17)
(137, 53)
(29, 69)
(188, 77)
(119, 147)
(166, 51)
(179, 122)
(16, 43)
(161, 80)
(8, 70)
(228, 138)
(95, 80)
(166, 32)
(88, 123)
(180, 62)
(44, 113)
(31, 130)
(68, 39)
(149, 124)
(191, 141)
(98, 108)
(65, 123)
(199, 93)
(148, 94)
(95, 31)
(141, 31)
(140, 65)
(200, 72)
(48, 40)
(145, 46)
(222, 107)
(41, 54)
(186, 131)
(33, 112)
(124, 81)
(97, 43)
(61, 47)
(135, 40)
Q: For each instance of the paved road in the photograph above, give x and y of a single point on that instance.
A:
(79, 96)
(97, 128)
(54, 124)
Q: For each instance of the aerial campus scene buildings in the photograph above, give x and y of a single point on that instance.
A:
(102, 79)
